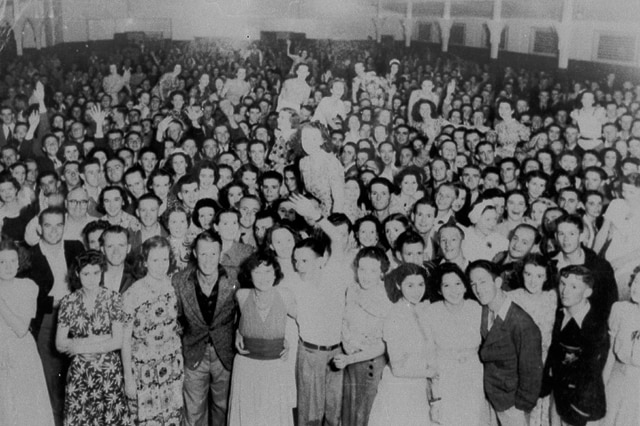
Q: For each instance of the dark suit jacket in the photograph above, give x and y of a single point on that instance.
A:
(40, 273)
(197, 333)
(127, 280)
(573, 371)
(512, 356)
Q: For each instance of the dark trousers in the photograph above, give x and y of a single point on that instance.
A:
(359, 390)
(54, 363)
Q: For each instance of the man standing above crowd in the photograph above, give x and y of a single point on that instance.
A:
(295, 91)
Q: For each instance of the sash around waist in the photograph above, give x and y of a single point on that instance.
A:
(263, 349)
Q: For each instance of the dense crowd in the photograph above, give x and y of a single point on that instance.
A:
(194, 234)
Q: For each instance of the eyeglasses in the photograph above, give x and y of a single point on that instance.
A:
(78, 202)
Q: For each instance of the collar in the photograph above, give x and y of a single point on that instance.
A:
(579, 315)
(504, 308)
(562, 261)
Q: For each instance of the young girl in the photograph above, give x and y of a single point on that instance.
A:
(402, 392)
(90, 330)
(176, 221)
(321, 172)
(260, 393)
(622, 373)
(409, 181)
(207, 177)
(515, 208)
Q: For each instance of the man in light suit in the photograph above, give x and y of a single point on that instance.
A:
(208, 313)
(511, 349)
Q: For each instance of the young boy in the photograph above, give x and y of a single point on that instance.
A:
(578, 352)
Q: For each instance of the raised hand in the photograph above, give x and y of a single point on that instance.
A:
(305, 207)
(97, 115)
(34, 119)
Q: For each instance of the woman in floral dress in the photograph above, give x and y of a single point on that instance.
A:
(90, 327)
(151, 351)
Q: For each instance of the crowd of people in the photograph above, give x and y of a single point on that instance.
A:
(200, 235)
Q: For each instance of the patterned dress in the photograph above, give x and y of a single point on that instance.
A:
(156, 353)
(320, 174)
(95, 385)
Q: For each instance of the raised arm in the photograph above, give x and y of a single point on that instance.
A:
(312, 213)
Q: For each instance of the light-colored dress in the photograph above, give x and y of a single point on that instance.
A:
(623, 387)
(543, 312)
(457, 338)
(477, 246)
(24, 399)
(402, 397)
(320, 174)
(625, 240)
(156, 353)
(260, 392)
(510, 133)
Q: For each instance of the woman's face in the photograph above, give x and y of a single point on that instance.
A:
(179, 165)
(290, 181)
(369, 273)
(406, 157)
(505, 111)
(610, 159)
(488, 220)
(250, 179)
(452, 289)
(178, 224)
(387, 154)
(205, 217)
(9, 263)
(8, 192)
(534, 277)
(190, 147)
(263, 277)
(225, 177)
(113, 203)
(409, 185)
(206, 178)
(352, 190)
(458, 203)
(516, 206)
(392, 230)
(282, 242)
(536, 187)
(425, 111)
(354, 124)
(158, 262)
(90, 277)
(413, 288)
(234, 195)
(20, 174)
(160, 186)
(368, 234)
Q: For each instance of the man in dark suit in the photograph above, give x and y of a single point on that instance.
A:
(7, 125)
(50, 260)
(511, 349)
(208, 312)
(115, 245)
(578, 352)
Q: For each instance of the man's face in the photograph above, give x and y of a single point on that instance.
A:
(210, 148)
(257, 154)
(221, 134)
(6, 115)
(593, 205)
(484, 286)
(115, 141)
(261, 227)
(508, 172)
(380, 197)
(207, 254)
(135, 184)
(115, 171)
(9, 157)
(486, 154)
(148, 211)
(568, 236)
(72, 175)
(189, 195)
(49, 185)
(450, 243)
(115, 248)
(471, 178)
(521, 243)
(592, 181)
(270, 190)
(52, 228)
(568, 200)
(412, 253)
(248, 209)
(573, 291)
(77, 203)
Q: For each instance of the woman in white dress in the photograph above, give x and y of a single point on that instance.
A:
(482, 241)
(455, 326)
(24, 399)
(621, 228)
(622, 372)
(540, 300)
(402, 392)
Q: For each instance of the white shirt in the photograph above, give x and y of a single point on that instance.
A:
(502, 312)
(58, 264)
(562, 261)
